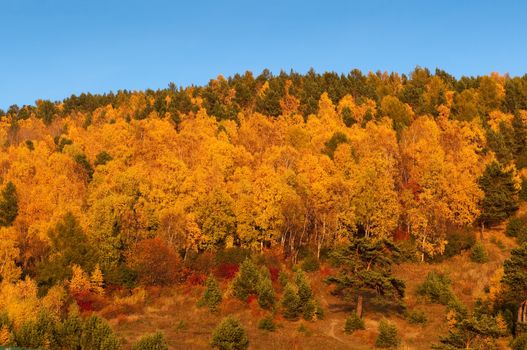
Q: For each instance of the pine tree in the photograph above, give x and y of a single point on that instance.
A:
(69, 246)
(70, 332)
(501, 194)
(8, 205)
(246, 281)
(479, 253)
(353, 323)
(154, 341)
(304, 289)
(267, 324)
(229, 335)
(472, 332)
(388, 337)
(515, 276)
(97, 335)
(212, 296)
(366, 267)
(291, 306)
(266, 295)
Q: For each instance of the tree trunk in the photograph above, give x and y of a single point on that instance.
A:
(359, 306)
(423, 248)
(321, 239)
(482, 228)
(522, 312)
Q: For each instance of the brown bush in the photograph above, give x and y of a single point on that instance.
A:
(155, 261)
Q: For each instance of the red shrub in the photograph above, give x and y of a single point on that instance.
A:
(201, 262)
(325, 271)
(275, 272)
(85, 305)
(196, 279)
(227, 270)
(251, 299)
(88, 301)
(155, 261)
(400, 234)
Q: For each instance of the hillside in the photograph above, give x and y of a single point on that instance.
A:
(175, 311)
(315, 199)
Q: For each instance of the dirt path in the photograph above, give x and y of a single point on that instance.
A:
(331, 331)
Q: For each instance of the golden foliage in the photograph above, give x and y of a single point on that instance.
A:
(6, 337)
(20, 301)
(79, 282)
(97, 281)
(272, 176)
(54, 301)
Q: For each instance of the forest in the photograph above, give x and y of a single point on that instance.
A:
(242, 206)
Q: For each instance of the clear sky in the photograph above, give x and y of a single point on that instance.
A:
(51, 49)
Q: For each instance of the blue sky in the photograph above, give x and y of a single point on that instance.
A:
(52, 49)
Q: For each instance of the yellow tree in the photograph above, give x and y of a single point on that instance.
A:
(216, 219)
(115, 217)
(441, 165)
(97, 281)
(423, 167)
(369, 165)
(20, 301)
(6, 337)
(80, 281)
(179, 228)
(9, 253)
(325, 196)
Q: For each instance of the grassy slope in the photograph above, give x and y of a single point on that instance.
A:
(165, 311)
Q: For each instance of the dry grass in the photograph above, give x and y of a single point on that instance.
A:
(174, 311)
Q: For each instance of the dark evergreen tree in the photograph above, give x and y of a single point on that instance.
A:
(46, 111)
(102, 158)
(473, 332)
(515, 276)
(8, 204)
(268, 103)
(500, 144)
(332, 144)
(70, 332)
(39, 333)
(97, 335)
(366, 267)
(501, 195)
(291, 306)
(85, 165)
(69, 245)
(515, 94)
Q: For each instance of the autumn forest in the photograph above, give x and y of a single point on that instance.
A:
(269, 211)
